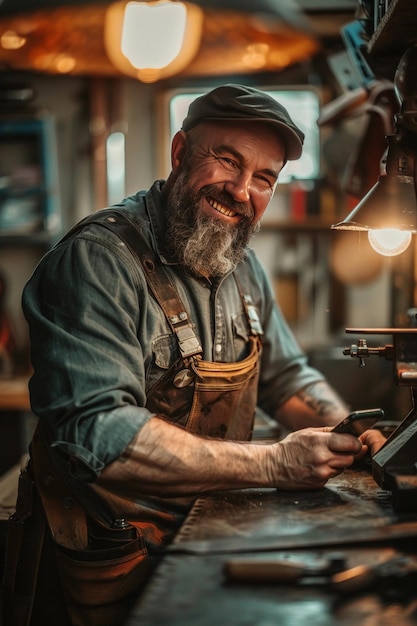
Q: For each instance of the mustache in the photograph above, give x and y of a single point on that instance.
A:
(223, 197)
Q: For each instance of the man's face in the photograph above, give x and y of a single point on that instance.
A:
(225, 175)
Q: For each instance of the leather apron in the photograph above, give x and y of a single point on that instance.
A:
(210, 398)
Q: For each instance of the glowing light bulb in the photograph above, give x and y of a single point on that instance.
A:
(153, 33)
(154, 39)
(389, 241)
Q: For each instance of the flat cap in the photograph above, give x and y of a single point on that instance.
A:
(238, 102)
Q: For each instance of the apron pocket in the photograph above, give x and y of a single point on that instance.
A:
(99, 583)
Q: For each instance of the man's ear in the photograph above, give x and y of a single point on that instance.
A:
(178, 149)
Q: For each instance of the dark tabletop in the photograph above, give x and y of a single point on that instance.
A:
(351, 517)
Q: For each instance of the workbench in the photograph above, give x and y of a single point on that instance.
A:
(351, 517)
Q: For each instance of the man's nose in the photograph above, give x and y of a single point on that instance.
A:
(239, 186)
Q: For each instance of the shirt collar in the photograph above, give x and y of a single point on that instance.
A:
(156, 208)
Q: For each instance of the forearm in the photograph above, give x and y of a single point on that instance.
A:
(168, 461)
(315, 405)
(164, 460)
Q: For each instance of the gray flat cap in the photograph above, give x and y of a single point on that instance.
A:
(238, 102)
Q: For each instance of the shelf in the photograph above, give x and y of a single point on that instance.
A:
(14, 394)
(41, 239)
(30, 224)
(309, 224)
(28, 177)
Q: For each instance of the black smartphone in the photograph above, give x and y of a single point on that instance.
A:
(358, 421)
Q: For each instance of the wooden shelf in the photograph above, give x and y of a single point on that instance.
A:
(309, 224)
(43, 239)
(14, 394)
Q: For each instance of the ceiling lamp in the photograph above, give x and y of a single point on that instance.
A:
(389, 210)
(10, 40)
(152, 40)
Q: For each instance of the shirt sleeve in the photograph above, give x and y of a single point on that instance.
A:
(82, 306)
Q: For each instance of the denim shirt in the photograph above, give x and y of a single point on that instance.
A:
(99, 340)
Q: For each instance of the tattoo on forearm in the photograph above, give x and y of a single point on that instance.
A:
(320, 398)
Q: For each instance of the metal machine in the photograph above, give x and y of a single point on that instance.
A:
(394, 466)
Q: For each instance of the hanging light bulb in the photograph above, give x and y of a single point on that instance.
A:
(152, 40)
(389, 241)
(141, 22)
(389, 210)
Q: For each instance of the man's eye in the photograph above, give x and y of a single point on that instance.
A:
(229, 163)
(264, 181)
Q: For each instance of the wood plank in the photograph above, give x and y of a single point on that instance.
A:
(14, 394)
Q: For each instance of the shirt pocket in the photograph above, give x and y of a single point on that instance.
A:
(240, 328)
(163, 396)
(164, 355)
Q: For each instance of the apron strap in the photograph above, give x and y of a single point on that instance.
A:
(251, 312)
(158, 280)
(161, 286)
(163, 290)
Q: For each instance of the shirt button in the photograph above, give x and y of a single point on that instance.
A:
(218, 347)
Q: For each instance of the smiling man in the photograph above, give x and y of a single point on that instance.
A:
(154, 336)
(227, 178)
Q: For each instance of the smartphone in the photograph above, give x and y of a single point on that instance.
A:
(357, 422)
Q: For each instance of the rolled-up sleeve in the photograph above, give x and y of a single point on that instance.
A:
(83, 308)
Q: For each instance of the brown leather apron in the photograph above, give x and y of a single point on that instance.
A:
(214, 399)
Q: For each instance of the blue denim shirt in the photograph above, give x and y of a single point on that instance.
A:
(99, 340)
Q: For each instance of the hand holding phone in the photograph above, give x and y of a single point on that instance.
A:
(358, 421)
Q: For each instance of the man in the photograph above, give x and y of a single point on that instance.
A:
(147, 372)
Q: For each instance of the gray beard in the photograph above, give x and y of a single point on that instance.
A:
(201, 243)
